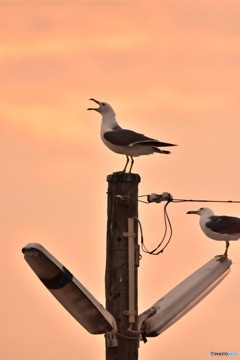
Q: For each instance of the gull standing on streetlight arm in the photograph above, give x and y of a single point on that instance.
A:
(221, 228)
(123, 141)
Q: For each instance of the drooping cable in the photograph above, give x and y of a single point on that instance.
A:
(167, 223)
(167, 226)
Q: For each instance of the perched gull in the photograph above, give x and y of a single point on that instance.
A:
(123, 141)
(223, 228)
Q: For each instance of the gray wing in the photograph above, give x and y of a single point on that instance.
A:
(224, 224)
(129, 138)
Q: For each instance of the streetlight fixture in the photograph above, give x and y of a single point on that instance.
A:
(76, 299)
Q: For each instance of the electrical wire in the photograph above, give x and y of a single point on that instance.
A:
(167, 223)
(129, 337)
(168, 226)
(192, 200)
(213, 201)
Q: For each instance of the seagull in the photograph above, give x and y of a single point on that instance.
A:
(223, 228)
(123, 141)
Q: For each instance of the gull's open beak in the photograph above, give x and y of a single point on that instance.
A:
(193, 212)
(97, 102)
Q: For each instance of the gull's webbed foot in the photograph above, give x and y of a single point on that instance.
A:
(222, 258)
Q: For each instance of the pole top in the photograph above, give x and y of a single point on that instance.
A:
(123, 177)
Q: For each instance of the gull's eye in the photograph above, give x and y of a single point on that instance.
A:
(103, 104)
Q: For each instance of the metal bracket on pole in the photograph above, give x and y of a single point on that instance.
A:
(127, 312)
(131, 269)
(111, 339)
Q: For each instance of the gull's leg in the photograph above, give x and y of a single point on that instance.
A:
(227, 246)
(223, 257)
(132, 161)
(125, 167)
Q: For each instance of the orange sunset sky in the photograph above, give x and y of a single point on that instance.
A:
(171, 70)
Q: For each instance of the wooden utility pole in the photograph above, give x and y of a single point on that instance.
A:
(121, 272)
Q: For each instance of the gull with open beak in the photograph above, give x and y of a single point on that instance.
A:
(123, 141)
